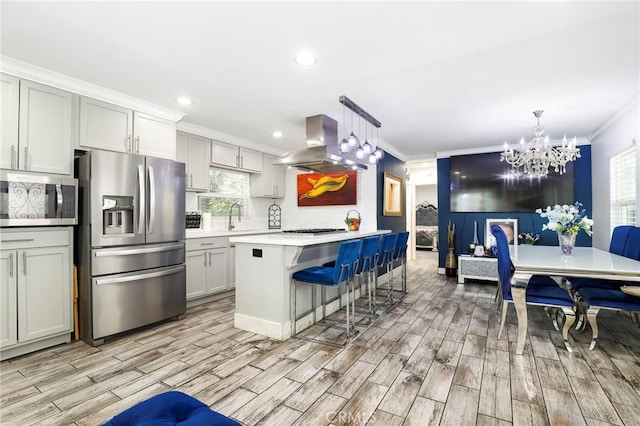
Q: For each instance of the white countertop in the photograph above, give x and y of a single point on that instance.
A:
(301, 240)
(201, 233)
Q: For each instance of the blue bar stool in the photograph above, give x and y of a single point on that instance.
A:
(400, 257)
(342, 272)
(367, 267)
(385, 260)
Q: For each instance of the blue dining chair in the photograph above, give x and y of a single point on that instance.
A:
(607, 294)
(625, 241)
(537, 295)
(342, 272)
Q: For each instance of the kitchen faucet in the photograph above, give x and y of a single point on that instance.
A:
(231, 226)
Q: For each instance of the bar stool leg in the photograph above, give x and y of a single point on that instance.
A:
(293, 313)
(348, 304)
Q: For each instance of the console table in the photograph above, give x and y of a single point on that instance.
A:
(477, 268)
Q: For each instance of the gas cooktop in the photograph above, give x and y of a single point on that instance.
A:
(314, 231)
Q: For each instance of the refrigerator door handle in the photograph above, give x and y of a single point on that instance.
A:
(152, 199)
(141, 198)
(138, 277)
(139, 251)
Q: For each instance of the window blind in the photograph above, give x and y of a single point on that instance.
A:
(623, 179)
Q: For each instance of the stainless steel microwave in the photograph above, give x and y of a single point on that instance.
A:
(37, 200)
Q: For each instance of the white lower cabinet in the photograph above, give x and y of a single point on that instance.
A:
(206, 260)
(231, 267)
(36, 290)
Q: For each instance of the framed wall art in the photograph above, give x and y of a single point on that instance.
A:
(392, 198)
(330, 189)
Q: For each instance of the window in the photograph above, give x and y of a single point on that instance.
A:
(623, 177)
(225, 188)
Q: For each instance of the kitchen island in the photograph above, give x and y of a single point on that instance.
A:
(264, 266)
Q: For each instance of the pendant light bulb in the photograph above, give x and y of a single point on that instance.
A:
(343, 146)
(368, 149)
(378, 153)
(353, 141)
(360, 153)
(373, 159)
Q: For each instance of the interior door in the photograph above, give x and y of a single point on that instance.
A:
(166, 200)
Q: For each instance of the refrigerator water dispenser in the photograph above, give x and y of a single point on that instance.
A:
(117, 215)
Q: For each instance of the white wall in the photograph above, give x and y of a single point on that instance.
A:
(294, 217)
(428, 193)
(616, 137)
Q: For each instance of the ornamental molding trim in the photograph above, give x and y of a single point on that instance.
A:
(83, 88)
(499, 148)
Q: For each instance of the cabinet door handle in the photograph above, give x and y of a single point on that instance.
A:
(11, 264)
(242, 162)
(127, 143)
(191, 178)
(205, 258)
(13, 157)
(237, 161)
(26, 158)
(21, 240)
(207, 244)
(137, 144)
(209, 258)
(24, 262)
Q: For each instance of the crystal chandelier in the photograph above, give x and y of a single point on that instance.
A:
(352, 143)
(537, 156)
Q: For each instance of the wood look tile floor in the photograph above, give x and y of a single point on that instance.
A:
(434, 360)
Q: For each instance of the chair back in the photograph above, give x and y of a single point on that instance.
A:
(632, 247)
(368, 253)
(387, 245)
(505, 267)
(400, 249)
(346, 262)
(619, 239)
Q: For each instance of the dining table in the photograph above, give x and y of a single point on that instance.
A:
(584, 262)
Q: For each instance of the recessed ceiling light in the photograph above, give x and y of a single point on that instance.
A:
(183, 100)
(305, 59)
(277, 134)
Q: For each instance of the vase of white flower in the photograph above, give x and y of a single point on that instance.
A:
(567, 242)
(566, 221)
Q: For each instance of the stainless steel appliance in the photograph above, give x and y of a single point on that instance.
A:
(28, 199)
(131, 242)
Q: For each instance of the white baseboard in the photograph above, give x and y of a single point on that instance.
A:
(263, 327)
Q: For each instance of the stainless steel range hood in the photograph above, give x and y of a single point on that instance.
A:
(321, 154)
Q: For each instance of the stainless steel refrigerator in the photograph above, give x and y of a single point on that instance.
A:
(131, 253)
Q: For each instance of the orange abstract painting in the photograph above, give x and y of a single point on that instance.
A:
(332, 189)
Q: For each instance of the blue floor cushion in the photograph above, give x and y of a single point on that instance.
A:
(169, 409)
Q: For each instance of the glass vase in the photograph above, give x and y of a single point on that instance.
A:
(567, 243)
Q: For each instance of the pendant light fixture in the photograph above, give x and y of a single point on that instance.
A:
(367, 150)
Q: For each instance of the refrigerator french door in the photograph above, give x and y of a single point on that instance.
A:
(131, 257)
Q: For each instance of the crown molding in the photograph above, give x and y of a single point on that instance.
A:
(224, 137)
(499, 148)
(616, 116)
(50, 78)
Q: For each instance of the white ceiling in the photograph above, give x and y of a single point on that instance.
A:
(440, 76)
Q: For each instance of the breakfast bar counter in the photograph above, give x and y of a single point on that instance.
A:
(264, 266)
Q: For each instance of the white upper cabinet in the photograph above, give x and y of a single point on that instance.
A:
(37, 128)
(235, 157)
(114, 128)
(154, 136)
(194, 152)
(10, 91)
(269, 183)
(105, 126)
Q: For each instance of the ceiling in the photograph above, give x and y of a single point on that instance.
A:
(439, 76)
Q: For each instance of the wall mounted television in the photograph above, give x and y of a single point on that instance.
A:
(483, 183)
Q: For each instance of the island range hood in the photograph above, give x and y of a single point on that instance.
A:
(322, 154)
